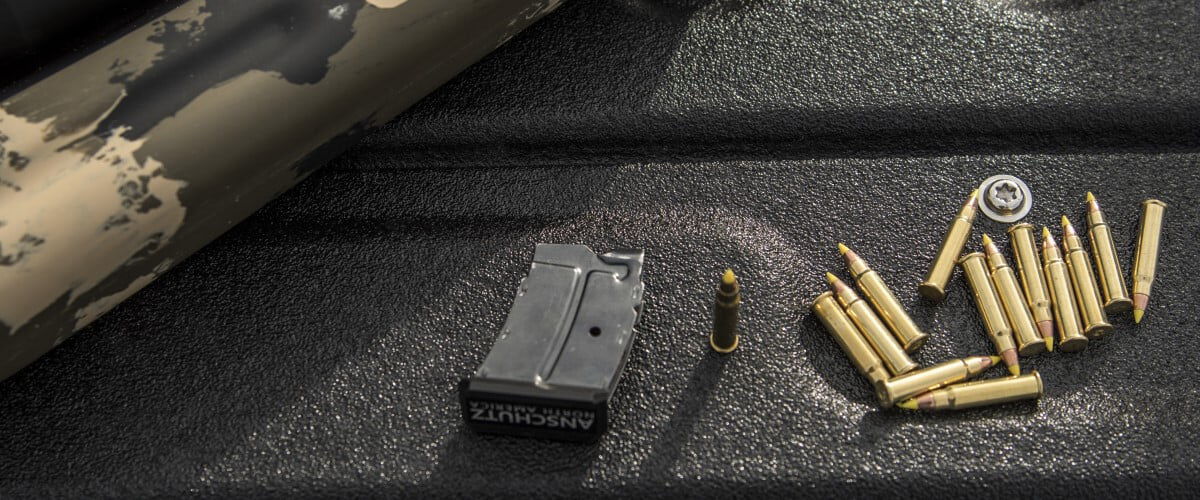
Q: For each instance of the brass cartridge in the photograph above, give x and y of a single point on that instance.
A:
(934, 286)
(956, 370)
(1066, 315)
(988, 304)
(1087, 294)
(1146, 258)
(842, 328)
(1025, 331)
(872, 328)
(1108, 265)
(979, 393)
(879, 295)
(1033, 282)
(724, 336)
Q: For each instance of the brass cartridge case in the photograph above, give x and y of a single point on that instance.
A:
(842, 328)
(988, 304)
(1033, 281)
(1145, 260)
(1087, 293)
(724, 336)
(1108, 265)
(879, 295)
(956, 370)
(1025, 333)
(1062, 296)
(934, 286)
(981, 393)
(872, 328)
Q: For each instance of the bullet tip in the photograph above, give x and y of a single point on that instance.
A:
(987, 240)
(1014, 370)
(842, 248)
(1049, 344)
(1090, 196)
(832, 279)
(1065, 221)
(1010, 358)
(728, 278)
(1137, 315)
(995, 360)
(1045, 232)
(907, 404)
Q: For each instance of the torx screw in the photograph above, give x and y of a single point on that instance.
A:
(1004, 198)
(1005, 195)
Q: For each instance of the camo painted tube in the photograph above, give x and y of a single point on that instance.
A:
(122, 164)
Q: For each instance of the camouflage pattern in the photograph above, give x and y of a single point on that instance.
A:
(124, 163)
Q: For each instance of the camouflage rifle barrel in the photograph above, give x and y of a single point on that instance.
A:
(125, 162)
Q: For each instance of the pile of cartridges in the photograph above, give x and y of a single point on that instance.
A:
(1056, 291)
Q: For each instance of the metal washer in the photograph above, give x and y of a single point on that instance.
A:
(1004, 198)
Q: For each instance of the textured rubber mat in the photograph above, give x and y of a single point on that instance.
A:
(315, 349)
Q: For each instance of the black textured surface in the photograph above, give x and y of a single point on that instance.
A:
(315, 348)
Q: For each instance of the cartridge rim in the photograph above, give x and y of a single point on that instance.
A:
(1118, 305)
(819, 297)
(901, 370)
(1041, 386)
(916, 343)
(1035, 347)
(881, 392)
(1075, 344)
(1020, 225)
(971, 255)
(931, 291)
(712, 343)
(1098, 330)
(1154, 201)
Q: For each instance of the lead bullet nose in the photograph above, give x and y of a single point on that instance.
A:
(1047, 329)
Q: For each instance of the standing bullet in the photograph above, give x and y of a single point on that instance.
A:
(1033, 282)
(724, 337)
(934, 286)
(927, 379)
(1025, 331)
(842, 328)
(872, 328)
(1066, 315)
(1108, 265)
(1087, 294)
(979, 393)
(879, 295)
(1146, 258)
(988, 304)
